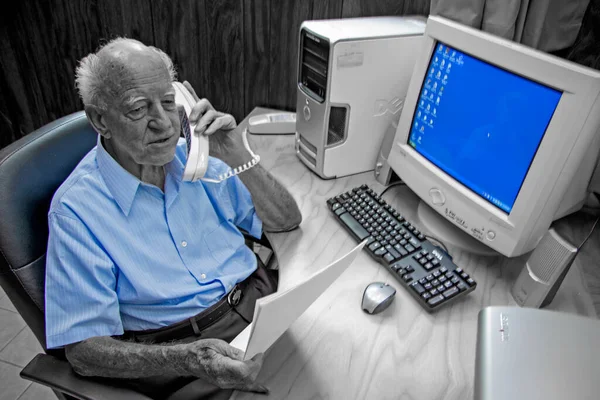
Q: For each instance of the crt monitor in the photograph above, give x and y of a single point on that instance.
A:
(497, 139)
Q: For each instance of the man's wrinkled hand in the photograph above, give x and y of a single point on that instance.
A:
(208, 120)
(219, 363)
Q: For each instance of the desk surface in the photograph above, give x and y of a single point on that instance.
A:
(335, 350)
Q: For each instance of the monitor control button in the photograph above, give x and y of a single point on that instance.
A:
(437, 197)
(491, 235)
(306, 112)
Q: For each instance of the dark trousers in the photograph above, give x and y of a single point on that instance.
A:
(226, 327)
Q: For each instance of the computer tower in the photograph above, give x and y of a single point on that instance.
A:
(353, 75)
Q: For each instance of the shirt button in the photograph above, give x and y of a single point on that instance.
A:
(184, 243)
(203, 276)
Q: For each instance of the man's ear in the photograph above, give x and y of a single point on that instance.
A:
(97, 118)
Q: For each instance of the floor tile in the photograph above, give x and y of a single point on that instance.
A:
(5, 302)
(22, 348)
(37, 392)
(10, 381)
(10, 325)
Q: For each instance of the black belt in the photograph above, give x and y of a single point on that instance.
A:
(196, 324)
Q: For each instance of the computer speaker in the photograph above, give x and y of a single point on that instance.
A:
(544, 271)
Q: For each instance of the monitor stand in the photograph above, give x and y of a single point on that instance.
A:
(450, 234)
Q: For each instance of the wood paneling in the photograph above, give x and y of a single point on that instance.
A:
(237, 53)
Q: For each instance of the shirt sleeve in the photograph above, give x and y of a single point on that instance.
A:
(243, 207)
(81, 301)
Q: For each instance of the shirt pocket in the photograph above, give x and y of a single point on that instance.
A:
(218, 242)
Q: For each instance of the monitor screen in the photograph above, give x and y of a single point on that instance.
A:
(480, 124)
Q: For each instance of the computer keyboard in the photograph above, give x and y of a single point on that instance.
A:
(424, 269)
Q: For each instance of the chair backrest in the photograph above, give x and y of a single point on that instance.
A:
(31, 169)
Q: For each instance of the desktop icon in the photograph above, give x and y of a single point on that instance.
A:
(432, 71)
(426, 91)
(440, 48)
(422, 103)
(428, 107)
(437, 59)
(453, 54)
(434, 85)
(422, 129)
(438, 75)
(443, 62)
(431, 122)
(437, 102)
(431, 97)
(434, 111)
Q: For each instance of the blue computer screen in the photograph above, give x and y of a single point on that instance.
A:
(480, 124)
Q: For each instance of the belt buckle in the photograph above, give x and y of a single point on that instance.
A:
(234, 297)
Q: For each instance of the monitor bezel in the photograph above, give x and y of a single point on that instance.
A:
(580, 87)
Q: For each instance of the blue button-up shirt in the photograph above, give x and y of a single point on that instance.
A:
(124, 255)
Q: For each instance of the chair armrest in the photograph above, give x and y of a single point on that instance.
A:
(58, 375)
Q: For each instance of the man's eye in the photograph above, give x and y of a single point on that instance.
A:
(137, 112)
(169, 104)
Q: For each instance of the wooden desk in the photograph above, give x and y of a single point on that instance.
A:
(335, 350)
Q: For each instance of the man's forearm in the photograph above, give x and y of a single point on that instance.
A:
(112, 358)
(274, 205)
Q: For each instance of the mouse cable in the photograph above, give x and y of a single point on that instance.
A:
(400, 183)
(438, 241)
(589, 234)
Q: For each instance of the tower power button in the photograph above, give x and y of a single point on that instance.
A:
(306, 111)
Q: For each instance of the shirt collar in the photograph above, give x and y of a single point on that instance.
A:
(121, 184)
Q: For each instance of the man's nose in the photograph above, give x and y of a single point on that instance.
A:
(160, 119)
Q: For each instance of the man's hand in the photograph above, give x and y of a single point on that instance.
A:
(210, 121)
(217, 362)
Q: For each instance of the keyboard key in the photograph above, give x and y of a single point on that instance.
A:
(354, 226)
(374, 246)
(443, 270)
(380, 251)
(450, 292)
(442, 279)
(422, 281)
(425, 295)
(436, 273)
(428, 286)
(435, 262)
(433, 292)
(471, 282)
(434, 301)
(454, 280)
(461, 286)
(435, 282)
(417, 288)
(407, 278)
(400, 249)
(415, 243)
(428, 266)
(392, 251)
(441, 288)
(429, 277)
(448, 284)
(389, 258)
(409, 268)
(408, 247)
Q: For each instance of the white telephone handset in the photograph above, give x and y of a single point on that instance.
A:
(197, 145)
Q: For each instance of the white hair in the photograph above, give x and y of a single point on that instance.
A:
(93, 73)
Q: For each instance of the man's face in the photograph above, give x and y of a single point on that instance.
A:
(143, 119)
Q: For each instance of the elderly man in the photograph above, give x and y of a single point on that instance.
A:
(141, 266)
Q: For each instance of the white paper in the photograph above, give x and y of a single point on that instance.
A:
(275, 313)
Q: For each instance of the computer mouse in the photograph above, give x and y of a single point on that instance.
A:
(377, 297)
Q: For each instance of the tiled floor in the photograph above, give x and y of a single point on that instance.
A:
(17, 348)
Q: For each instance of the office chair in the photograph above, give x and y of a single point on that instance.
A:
(31, 169)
